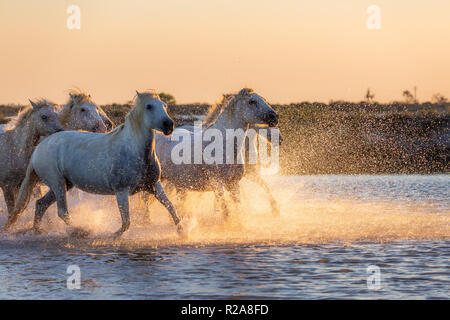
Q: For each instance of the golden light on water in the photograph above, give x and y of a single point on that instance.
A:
(302, 221)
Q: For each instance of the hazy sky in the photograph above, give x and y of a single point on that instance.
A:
(287, 50)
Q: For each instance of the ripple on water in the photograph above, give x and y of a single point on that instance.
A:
(330, 230)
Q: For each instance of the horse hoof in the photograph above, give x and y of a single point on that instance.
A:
(79, 233)
(37, 231)
(147, 220)
(23, 232)
(5, 228)
(275, 210)
(182, 232)
(117, 235)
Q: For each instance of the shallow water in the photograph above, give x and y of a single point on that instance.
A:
(331, 228)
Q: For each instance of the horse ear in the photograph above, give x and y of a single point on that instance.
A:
(34, 105)
(138, 94)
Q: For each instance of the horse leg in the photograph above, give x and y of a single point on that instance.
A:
(10, 194)
(260, 181)
(219, 194)
(123, 203)
(148, 198)
(42, 205)
(181, 195)
(37, 192)
(60, 192)
(162, 198)
(235, 192)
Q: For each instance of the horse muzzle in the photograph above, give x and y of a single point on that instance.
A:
(167, 127)
(99, 128)
(271, 119)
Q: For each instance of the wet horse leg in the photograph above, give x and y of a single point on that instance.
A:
(60, 191)
(162, 198)
(235, 192)
(219, 196)
(10, 194)
(42, 205)
(149, 198)
(256, 178)
(123, 203)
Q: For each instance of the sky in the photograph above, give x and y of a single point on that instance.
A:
(287, 50)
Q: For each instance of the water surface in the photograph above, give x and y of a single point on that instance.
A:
(330, 230)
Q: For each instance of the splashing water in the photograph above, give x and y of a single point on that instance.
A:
(314, 209)
(331, 228)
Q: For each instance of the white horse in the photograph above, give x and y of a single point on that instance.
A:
(18, 142)
(236, 112)
(253, 171)
(121, 163)
(81, 113)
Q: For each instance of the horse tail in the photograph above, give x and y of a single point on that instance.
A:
(26, 189)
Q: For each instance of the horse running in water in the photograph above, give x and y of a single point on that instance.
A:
(121, 163)
(236, 112)
(18, 142)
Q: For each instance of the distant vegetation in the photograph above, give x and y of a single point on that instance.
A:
(342, 137)
(167, 98)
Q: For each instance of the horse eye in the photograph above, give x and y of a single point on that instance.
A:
(43, 117)
(252, 102)
(83, 110)
(149, 107)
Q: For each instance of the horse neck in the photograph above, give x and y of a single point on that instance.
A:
(25, 138)
(234, 122)
(227, 121)
(143, 140)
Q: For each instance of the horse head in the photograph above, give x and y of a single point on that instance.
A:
(151, 112)
(254, 109)
(81, 113)
(42, 117)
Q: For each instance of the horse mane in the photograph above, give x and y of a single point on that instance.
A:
(77, 97)
(227, 102)
(24, 114)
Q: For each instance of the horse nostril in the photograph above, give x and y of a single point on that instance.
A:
(272, 119)
(167, 126)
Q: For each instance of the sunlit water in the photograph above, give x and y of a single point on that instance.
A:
(330, 230)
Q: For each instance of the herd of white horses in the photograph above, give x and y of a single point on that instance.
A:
(76, 145)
